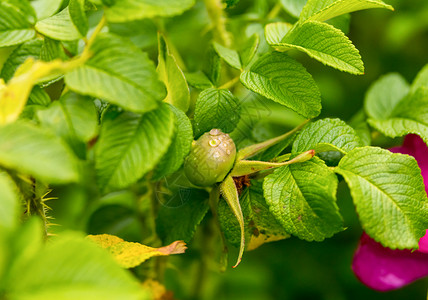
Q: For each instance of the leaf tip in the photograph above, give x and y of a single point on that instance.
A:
(177, 247)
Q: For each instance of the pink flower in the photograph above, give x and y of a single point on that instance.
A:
(384, 269)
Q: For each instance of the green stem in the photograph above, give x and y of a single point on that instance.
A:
(35, 206)
(230, 83)
(274, 12)
(216, 14)
(247, 167)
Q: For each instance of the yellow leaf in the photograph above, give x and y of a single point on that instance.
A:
(159, 292)
(130, 254)
(14, 95)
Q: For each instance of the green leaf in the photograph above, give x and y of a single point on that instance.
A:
(78, 16)
(26, 241)
(51, 50)
(9, 204)
(216, 108)
(321, 10)
(260, 224)
(72, 265)
(275, 32)
(282, 79)
(324, 43)
(249, 49)
(30, 150)
(384, 95)
(34, 49)
(173, 77)
(180, 145)
(322, 133)
(18, 56)
(182, 210)
(389, 195)
(247, 167)
(212, 65)
(198, 80)
(230, 3)
(410, 115)
(254, 149)
(119, 73)
(230, 195)
(128, 10)
(421, 79)
(293, 7)
(16, 18)
(129, 254)
(302, 197)
(73, 118)
(45, 8)
(276, 149)
(230, 56)
(359, 123)
(130, 145)
(59, 27)
(38, 96)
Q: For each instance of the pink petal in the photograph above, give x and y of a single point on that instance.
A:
(423, 243)
(413, 145)
(384, 269)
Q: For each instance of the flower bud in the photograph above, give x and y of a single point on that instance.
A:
(211, 158)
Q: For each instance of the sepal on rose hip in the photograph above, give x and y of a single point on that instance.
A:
(246, 167)
(211, 158)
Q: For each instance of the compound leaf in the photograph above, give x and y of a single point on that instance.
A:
(324, 43)
(73, 265)
(324, 132)
(59, 26)
(17, 18)
(260, 224)
(302, 197)
(119, 73)
(180, 145)
(322, 10)
(130, 145)
(129, 10)
(30, 150)
(216, 108)
(282, 79)
(173, 77)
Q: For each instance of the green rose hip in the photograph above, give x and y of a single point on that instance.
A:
(211, 158)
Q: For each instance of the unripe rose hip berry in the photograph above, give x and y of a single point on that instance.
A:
(211, 158)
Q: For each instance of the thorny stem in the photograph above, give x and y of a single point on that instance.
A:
(35, 206)
(215, 12)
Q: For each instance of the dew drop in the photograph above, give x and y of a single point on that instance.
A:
(214, 142)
